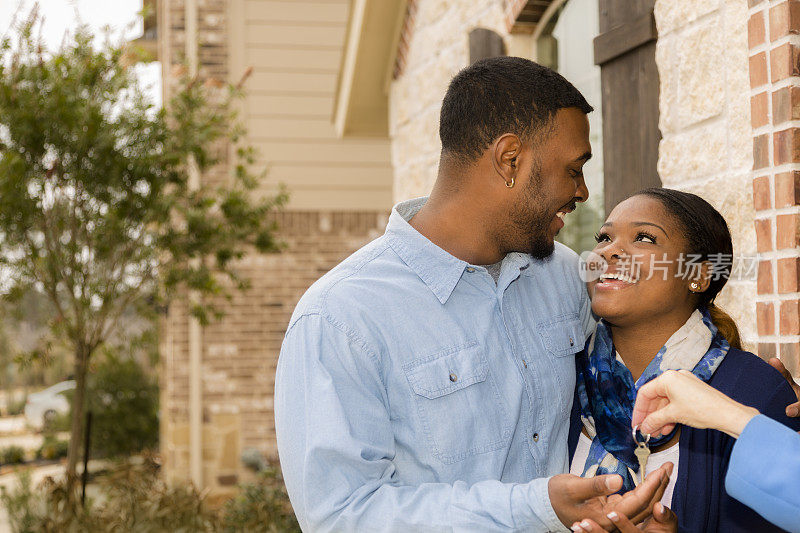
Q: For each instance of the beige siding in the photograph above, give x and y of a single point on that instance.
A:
(295, 49)
(280, 81)
(332, 12)
(289, 58)
(264, 104)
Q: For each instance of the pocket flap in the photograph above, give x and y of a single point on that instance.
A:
(447, 371)
(563, 336)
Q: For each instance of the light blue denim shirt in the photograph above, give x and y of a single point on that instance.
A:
(415, 394)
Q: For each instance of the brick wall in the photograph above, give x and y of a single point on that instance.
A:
(773, 40)
(239, 353)
(405, 38)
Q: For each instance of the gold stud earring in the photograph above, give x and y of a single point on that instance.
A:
(695, 286)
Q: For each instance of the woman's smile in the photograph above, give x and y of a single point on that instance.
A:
(614, 281)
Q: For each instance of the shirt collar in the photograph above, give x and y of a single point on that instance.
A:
(438, 269)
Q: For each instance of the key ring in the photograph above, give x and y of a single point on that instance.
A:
(636, 440)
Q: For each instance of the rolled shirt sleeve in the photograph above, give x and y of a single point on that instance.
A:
(764, 471)
(336, 447)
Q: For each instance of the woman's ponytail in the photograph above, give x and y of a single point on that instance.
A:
(726, 325)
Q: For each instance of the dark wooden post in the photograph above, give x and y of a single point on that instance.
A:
(85, 475)
(625, 51)
(485, 43)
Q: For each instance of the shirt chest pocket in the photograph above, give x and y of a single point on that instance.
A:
(562, 336)
(458, 402)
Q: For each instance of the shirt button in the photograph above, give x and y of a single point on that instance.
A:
(470, 270)
(571, 342)
(535, 437)
(453, 378)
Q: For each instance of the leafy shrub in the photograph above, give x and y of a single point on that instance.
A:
(124, 404)
(22, 505)
(60, 421)
(261, 507)
(52, 448)
(16, 406)
(133, 497)
(137, 499)
(12, 455)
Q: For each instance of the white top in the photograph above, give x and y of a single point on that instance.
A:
(655, 460)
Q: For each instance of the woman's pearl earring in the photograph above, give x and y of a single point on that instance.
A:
(695, 286)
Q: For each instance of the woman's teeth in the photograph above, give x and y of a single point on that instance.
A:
(618, 276)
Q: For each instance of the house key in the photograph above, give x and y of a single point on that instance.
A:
(642, 452)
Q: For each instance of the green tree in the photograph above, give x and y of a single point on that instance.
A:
(97, 209)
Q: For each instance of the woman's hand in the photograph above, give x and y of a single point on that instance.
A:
(793, 409)
(680, 397)
(662, 521)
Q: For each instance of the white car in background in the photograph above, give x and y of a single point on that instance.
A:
(42, 407)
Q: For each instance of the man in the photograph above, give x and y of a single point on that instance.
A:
(425, 383)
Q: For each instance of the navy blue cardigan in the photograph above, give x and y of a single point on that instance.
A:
(699, 499)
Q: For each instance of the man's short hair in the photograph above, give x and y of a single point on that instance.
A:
(501, 95)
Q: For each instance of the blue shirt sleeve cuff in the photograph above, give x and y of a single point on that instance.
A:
(539, 500)
(749, 446)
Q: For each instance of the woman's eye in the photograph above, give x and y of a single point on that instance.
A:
(646, 237)
(601, 237)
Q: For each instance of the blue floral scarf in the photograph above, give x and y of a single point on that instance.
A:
(607, 392)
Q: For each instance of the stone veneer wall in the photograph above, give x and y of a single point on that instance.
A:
(239, 353)
(436, 48)
(704, 119)
(774, 44)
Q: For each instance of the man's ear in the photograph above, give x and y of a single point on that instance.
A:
(505, 157)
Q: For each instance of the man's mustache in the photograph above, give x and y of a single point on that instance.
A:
(570, 206)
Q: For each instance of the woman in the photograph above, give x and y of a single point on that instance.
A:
(667, 252)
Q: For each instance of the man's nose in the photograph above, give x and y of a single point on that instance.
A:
(582, 192)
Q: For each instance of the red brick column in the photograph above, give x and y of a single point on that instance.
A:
(513, 9)
(774, 43)
(404, 42)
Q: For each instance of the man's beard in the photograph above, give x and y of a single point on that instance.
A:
(531, 220)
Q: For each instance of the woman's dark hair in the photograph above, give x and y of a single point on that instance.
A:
(501, 95)
(709, 239)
